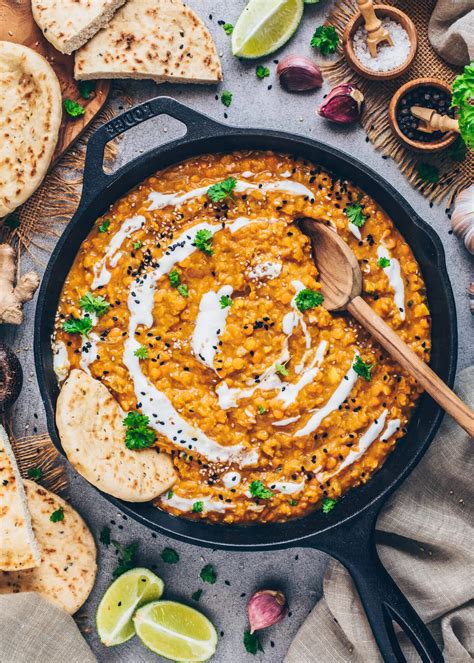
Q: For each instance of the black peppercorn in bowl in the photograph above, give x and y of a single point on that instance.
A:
(429, 93)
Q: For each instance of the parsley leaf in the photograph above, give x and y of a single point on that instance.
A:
(325, 39)
(228, 28)
(355, 214)
(208, 574)
(308, 298)
(203, 240)
(91, 304)
(383, 262)
(427, 172)
(137, 245)
(463, 99)
(141, 352)
(169, 494)
(104, 536)
(126, 559)
(169, 556)
(138, 435)
(328, 504)
(257, 489)
(174, 278)
(196, 595)
(262, 72)
(221, 190)
(293, 502)
(86, 88)
(35, 473)
(57, 515)
(362, 368)
(104, 226)
(226, 98)
(252, 643)
(73, 109)
(183, 290)
(225, 301)
(261, 409)
(281, 370)
(198, 507)
(78, 325)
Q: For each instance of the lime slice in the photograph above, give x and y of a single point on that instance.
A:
(130, 591)
(175, 631)
(264, 26)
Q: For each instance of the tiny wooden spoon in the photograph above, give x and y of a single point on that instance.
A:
(431, 121)
(341, 282)
(376, 34)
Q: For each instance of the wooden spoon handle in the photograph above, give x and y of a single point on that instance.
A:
(405, 356)
(366, 7)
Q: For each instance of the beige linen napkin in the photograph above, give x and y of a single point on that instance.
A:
(33, 630)
(425, 540)
(451, 30)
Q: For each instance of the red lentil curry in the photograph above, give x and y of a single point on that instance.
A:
(199, 309)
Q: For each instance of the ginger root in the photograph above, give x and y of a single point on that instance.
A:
(12, 297)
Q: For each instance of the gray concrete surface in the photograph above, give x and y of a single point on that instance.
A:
(298, 572)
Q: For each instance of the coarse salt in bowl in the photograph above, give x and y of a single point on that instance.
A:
(388, 57)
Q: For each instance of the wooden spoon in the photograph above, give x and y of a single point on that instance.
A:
(376, 34)
(341, 282)
(431, 121)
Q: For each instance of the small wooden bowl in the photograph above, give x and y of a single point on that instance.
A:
(416, 145)
(383, 11)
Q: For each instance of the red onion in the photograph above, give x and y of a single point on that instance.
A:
(343, 104)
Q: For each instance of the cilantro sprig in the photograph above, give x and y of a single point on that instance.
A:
(141, 352)
(198, 507)
(383, 262)
(252, 643)
(257, 489)
(35, 473)
(126, 558)
(138, 435)
(57, 515)
(169, 556)
(104, 226)
(363, 368)
(203, 241)
(222, 190)
(104, 536)
(307, 299)
(325, 39)
(262, 72)
(225, 301)
(175, 282)
(355, 213)
(86, 89)
(91, 304)
(73, 109)
(228, 28)
(208, 574)
(226, 98)
(78, 325)
(328, 504)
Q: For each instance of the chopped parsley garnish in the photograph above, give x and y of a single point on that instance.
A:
(226, 98)
(362, 368)
(293, 502)
(196, 595)
(198, 507)
(228, 28)
(78, 325)
(104, 226)
(137, 245)
(104, 536)
(261, 409)
(208, 574)
(252, 643)
(86, 88)
(203, 240)
(169, 494)
(138, 435)
(325, 39)
(308, 298)
(225, 301)
(73, 109)
(91, 304)
(126, 558)
(383, 262)
(141, 352)
(57, 515)
(427, 172)
(281, 370)
(355, 214)
(35, 473)
(169, 556)
(262, 72)
(183, 290)
(174, 278)
(221, 190)
(257, 489)
(328, 504)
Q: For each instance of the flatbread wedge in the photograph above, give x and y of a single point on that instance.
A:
(18, 546)
(68, 24)
(163, 40)
(68, 567)
(90, 425)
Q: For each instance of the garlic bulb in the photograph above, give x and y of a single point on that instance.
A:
(462, 220)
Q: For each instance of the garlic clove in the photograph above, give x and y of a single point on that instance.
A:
(343, 104)
(265, 608)
(298, 73)
(462, 219)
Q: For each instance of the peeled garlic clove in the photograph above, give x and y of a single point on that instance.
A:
(462, 219)
(343, 104)
(298, 73)
(265, 608)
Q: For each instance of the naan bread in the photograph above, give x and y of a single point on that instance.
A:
(18, 546)
(30, 116)
(68, 24)
(90, 425)
(67, 571)
(159, 39)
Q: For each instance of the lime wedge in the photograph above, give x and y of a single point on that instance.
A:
(130, 591)
(175, 631)
(264, 26)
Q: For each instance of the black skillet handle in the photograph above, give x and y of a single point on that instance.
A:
(353, 544)
(95, 179)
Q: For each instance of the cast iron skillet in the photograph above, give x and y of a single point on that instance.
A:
(347, 533)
